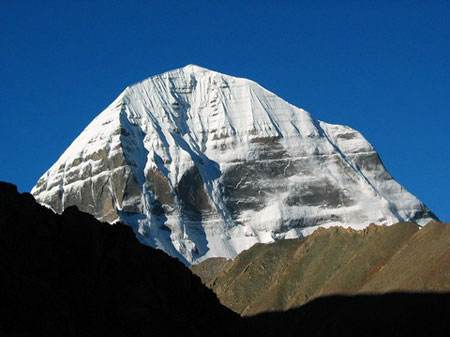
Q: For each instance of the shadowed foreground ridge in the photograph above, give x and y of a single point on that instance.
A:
(70, 275)
(395, 314)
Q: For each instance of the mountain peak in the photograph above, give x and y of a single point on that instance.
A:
(187, 69)
(195, 68)
(203, 164)
(184, 76)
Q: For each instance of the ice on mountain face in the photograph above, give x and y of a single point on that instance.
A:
(202, 164)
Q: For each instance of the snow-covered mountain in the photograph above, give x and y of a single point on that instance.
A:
(203, 164)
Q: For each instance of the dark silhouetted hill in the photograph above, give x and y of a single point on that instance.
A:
(71, 275)
(388, 315)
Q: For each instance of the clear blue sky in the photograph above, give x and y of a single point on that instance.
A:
(381, 68)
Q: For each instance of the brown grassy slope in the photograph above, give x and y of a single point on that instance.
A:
(210, 268)
(423, 264)
(289, 273)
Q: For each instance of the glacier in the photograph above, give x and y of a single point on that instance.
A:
(203, 164)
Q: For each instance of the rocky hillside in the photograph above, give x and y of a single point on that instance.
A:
(289, 273)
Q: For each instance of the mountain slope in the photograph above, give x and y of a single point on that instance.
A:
(203, 164)
(289, 273)
(70, 275)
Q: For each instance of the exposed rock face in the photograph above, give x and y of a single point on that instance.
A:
(332, 261)
(202, 164)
